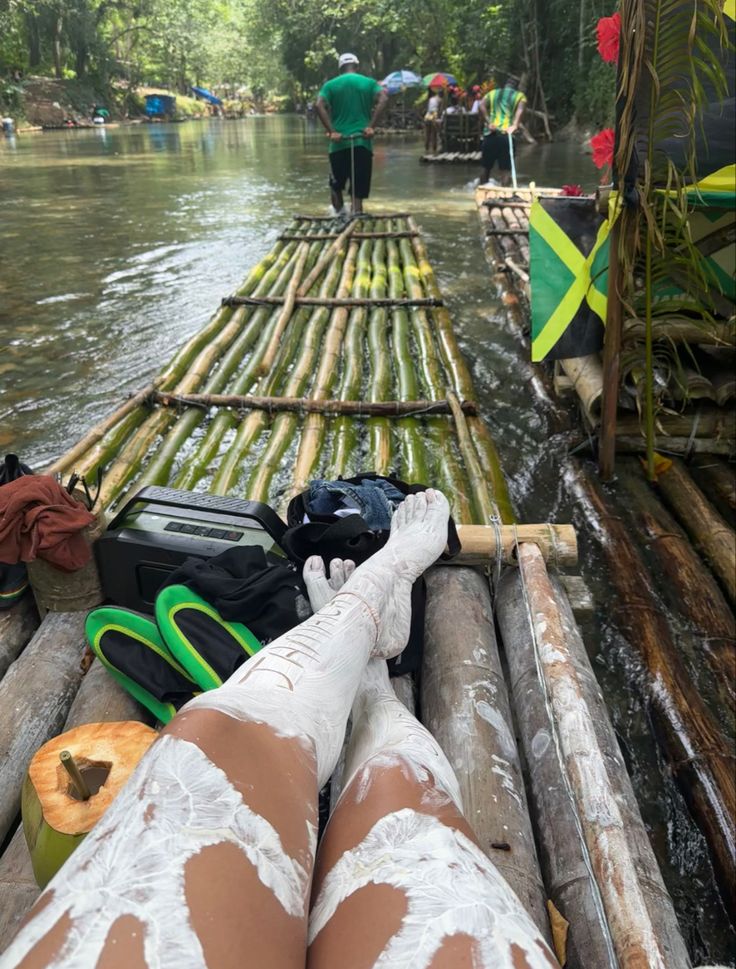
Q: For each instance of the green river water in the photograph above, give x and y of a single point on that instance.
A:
(117, 244)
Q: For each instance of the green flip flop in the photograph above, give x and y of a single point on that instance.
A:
(130, 646)
(208, 647)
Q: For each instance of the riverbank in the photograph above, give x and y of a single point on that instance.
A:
(38, 103)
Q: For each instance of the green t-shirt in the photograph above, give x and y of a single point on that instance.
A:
(350, 97)
(501, 104)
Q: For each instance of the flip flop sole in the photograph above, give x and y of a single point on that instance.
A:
(208, 647)
(130, 647)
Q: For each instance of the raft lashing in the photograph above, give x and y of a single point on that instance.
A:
(338, 355)
(700, 393)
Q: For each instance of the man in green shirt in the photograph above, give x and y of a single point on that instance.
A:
(349, 106)
(500, 110)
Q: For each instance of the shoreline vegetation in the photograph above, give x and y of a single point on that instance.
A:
(60, 60)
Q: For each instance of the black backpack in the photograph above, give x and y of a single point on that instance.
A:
(350, 538)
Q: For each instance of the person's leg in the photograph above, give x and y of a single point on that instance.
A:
(400, 879)
(339, 173)
(504, 159)
(486, 155)
(206, 855)
(363, 168)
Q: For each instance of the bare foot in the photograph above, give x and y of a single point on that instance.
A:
(418, 538)
(321, 589)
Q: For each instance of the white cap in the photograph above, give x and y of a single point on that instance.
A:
(347, 59)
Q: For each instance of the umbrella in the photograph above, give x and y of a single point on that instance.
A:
(439, 79)
(399, 80)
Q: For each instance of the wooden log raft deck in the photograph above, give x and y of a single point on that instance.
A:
(680, 529)
(704, 424)
(338, 355)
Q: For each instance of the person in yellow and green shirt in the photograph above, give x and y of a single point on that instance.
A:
(349, 106)
(500, 110)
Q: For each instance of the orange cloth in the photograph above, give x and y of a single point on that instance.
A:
(38, 519)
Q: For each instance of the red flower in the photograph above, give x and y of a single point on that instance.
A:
(609, 36)
(602, 145)
(572, 191)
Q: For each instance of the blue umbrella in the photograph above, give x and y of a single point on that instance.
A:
(399, 80)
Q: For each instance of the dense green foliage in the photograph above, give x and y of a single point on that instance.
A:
(290, 46)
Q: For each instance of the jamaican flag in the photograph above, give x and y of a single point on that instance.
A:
(568, 247)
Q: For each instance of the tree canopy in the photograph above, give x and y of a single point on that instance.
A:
(290, 46)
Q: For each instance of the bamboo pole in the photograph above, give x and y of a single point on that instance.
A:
(333, 406)
(379, 429)
(409, 432)
(706, 421)
(251, 428)
(462, 382)
(486, 508)
(686, 446)
(311, 440)
(158, 469)
(690, 589)
(326, 258)
(286, 312)
(566, 865)
(450, 474)
(711, 535)
(196, 467)
(175, 370)
(465, 705)
(345, 429)
(333, 302)
(131, 456)
(700, 758)
(284, 425)
(96, 433)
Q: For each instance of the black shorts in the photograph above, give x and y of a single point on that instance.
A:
(495, 148)
(341, 165)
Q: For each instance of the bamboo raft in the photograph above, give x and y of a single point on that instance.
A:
(706, 424)
(309, 370)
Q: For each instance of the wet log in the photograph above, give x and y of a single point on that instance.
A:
(563, 852)
(100, 699)
(35, 696)
(681, 329)
(586, 376)
(690, 588)
(699, 755)
(685, 446)
(705, 421)
(465, 705)
(17, 625)
(480, 543)
(633, 935)
(718, 482)
(710, 533)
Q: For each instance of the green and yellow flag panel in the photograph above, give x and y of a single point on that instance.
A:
(568, 247)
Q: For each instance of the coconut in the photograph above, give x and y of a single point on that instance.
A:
(56, 815)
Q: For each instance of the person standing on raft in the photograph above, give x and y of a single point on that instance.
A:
(349, 106)
(500, 110)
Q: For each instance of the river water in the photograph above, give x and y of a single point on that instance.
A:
(117, 244)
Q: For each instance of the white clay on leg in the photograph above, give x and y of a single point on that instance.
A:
(451, 889)
(303, 684)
